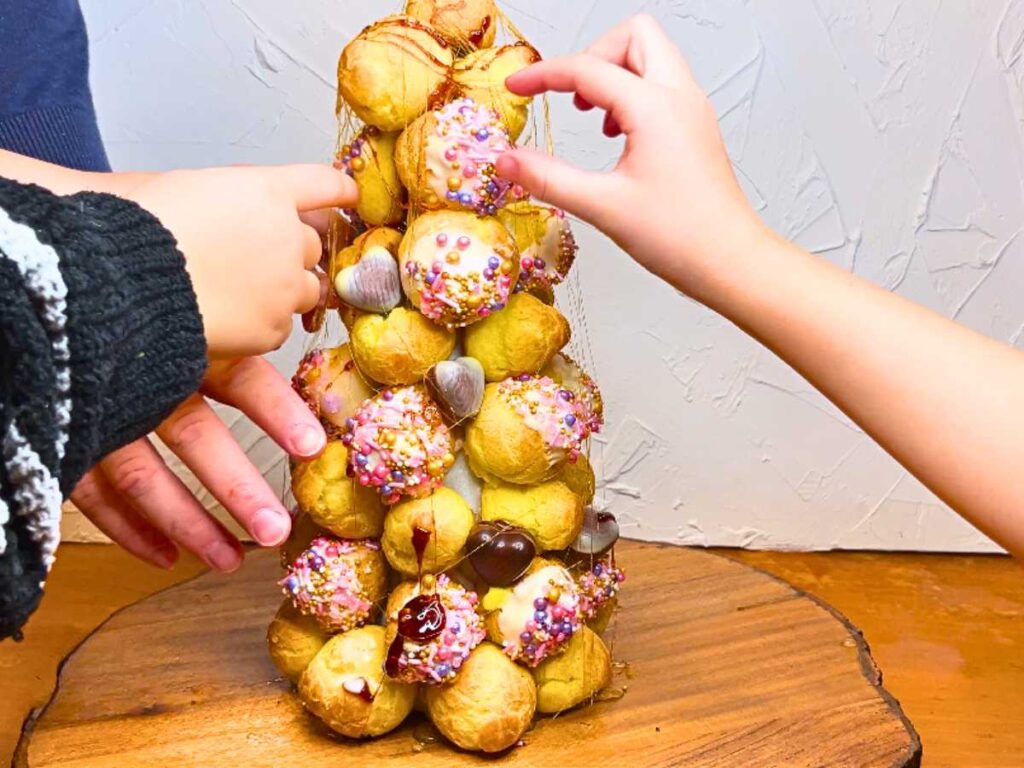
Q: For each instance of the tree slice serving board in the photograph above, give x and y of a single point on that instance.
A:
(719, 665)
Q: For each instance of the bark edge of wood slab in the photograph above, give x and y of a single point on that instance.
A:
(728, 665)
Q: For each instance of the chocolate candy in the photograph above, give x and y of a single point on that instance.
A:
(599, 533)
(457, 386)
(500, 552)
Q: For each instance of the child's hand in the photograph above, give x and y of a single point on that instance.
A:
(672, 200)
(246, 248)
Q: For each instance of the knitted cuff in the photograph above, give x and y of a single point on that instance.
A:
(131, 305)
(134, 331)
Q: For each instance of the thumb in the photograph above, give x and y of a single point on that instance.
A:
(555, 181)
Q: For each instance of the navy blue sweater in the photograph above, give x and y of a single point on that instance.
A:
(46, 108)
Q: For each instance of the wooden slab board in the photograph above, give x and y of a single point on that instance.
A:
(724, 666)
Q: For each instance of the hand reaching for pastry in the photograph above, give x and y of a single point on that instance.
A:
(135, 498)
(249, 262)
(672, 201)
(247, 248)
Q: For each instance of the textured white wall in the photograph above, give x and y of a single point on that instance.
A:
(884, 135)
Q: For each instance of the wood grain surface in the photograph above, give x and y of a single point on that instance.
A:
(723, 665)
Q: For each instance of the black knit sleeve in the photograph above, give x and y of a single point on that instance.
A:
(100, 338)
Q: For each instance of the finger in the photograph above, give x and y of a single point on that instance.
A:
(595, 80)
(556, 182)
(313, 320)
(640, 45)
(112, 514)
(309, 295)
(257, 389)
(139, 474)
(206, 446)
(312, 246)
(320, 219)
(315, 186)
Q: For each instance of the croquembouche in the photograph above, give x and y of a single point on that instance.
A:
(445, 554)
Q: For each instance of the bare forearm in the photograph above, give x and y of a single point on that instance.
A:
(64, 181)
(946, 402)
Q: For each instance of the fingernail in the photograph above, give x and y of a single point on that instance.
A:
(222, 557)
(166, 557)
(308, 441)
(507, 166)
(270, 527)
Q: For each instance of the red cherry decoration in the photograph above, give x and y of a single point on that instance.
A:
(422, 618)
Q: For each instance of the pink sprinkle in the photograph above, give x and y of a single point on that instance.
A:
(442, 240)
(380, 471)
(450, 154)
(469, 171)
(463, 243)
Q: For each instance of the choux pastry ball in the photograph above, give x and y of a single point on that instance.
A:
(599, 623)
(447, 159)
(438, 626)
(536, 617)
(303, 531)
(481, 76)
(335, 501)
(333, 389)
(456, 267)
(598, 582)
(443, 520)
(467, 23)
(563, 370)
(370, 160)
(545, 240)
(488, 707)
(550, 512)
(399, 348)
(520, 339)
(338, 582)
(388, 73)
(524, 433)
(399, 444)
(293, 640)
(345, 688)
(579, 476)
(575, 675)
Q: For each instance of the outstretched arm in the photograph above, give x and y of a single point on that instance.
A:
(946, 402)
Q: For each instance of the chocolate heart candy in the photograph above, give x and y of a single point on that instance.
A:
(599, 533)
(422, 618)
(500, 552)
(372, 284)
(457, 387)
